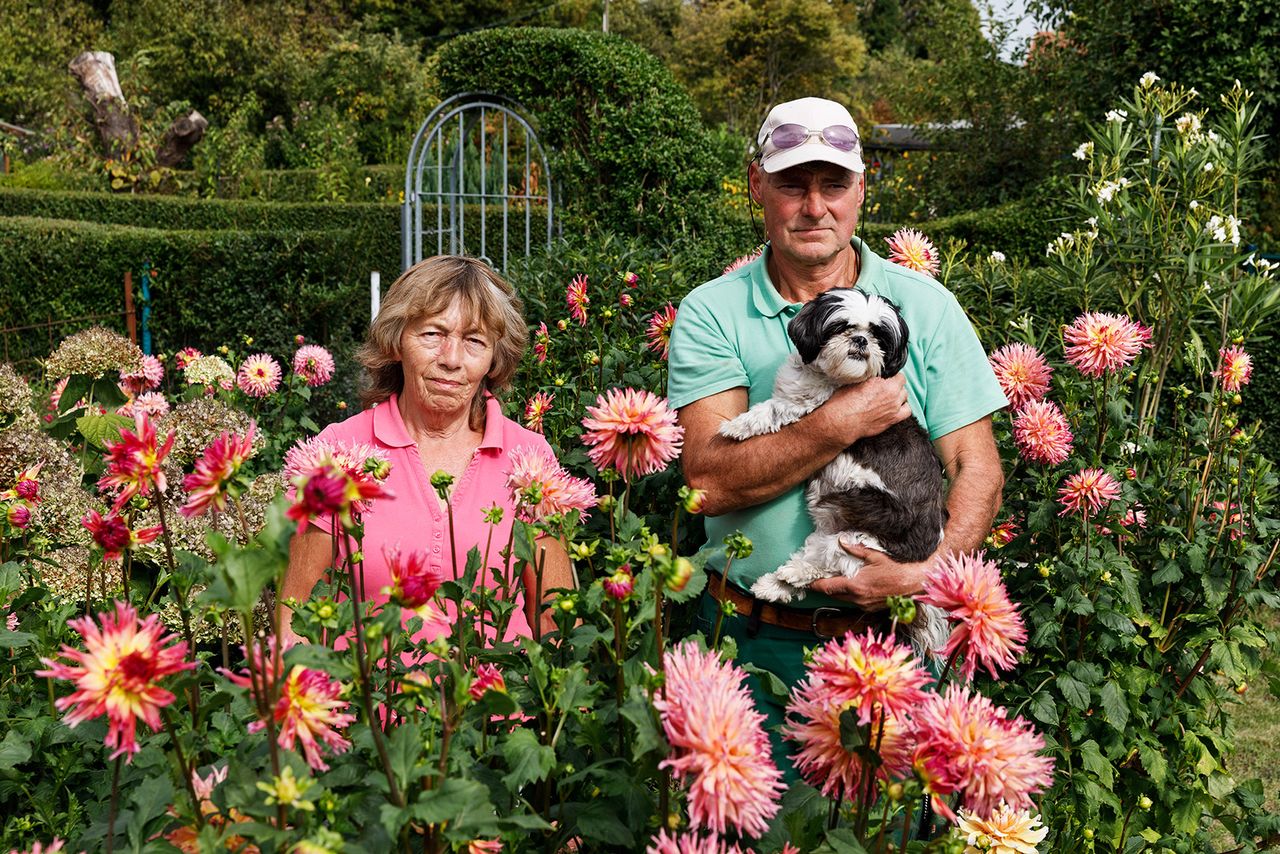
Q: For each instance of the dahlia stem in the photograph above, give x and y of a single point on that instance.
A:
(115, 802)
(620, 682)
(724, 582)
(183, 768)
(906, 825)
(946, 671)
(540, 566)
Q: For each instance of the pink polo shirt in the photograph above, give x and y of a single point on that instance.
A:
(415, 519)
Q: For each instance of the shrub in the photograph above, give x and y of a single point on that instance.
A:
(629, 152)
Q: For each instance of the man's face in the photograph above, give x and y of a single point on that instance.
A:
(810, 210)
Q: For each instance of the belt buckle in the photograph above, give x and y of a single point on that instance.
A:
(813, 621)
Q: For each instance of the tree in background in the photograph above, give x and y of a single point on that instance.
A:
(37, 40)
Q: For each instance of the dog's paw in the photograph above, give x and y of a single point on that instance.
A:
(737, 428)
(769, 588)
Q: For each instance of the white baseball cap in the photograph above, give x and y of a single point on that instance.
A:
(816, 129)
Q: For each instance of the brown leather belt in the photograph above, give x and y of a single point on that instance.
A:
(824, 621)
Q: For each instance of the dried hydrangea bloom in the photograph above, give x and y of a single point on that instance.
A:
(15, 395)
(93, 352)
(210, 371)
(198, 423)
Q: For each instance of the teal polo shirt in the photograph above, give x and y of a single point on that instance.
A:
(732, 332)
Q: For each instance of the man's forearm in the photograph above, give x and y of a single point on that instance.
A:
(972, 504)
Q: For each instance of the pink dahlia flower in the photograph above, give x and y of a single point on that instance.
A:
(965, 743)
(37, 848)
(1004, 533)
(118, 674)
(488, 678)
(536, 409)
(210, 485)
(577, 299)
(543, 489)
(813, 720)
(1087, 492)
(1023, 373)
(413, 580)
(114, 536)
(146, 378)
(150, 403)
(634, 431)
(718, 744)
(185, 357)
(1098, 343)
(334, 479)
(259, 375)
(619, 585)
(309, 711)
(19, 516)
(1236, 369)
(691, 843)
(988, 628)
(135, 463)
(314, 364)
(541, 340)
(659, 331)
(1041, 433)
(484, 846)
(870, 673)
(743, 260)
(911, 249)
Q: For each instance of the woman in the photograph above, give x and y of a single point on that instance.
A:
(450, 331)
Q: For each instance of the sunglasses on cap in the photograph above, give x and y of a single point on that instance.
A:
(789, 136)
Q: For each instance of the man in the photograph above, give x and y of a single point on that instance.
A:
(729, 339)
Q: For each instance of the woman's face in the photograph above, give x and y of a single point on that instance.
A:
(445, 357)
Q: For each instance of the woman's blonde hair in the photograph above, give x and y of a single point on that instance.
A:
(427, 289)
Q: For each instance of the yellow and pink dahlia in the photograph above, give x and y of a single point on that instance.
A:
(1098, 343)
(659, 331)
(413, 580)
(1005, 831)
(620, 583)
(146, 378)
(633, 431)
(870, 673)
(1235, 370)
(536, 409)
(967, 744)
(541, 340)
(813, 720)
(1023, 374)
(1041, 433)
(576, 297)
(488, 678)
(911, 249)
(118, 674)
(135, 463)
(718, 744)
(212, 484)
(1087, 492)
(310, 712)
(988, 631)
(259, 375)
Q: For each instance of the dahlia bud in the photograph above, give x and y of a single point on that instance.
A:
(378, 467)
(488, 678)
(625, 300)
(1144, 802)
(1044, 570)
(299, 340)
(631, 279)
(567, 603)
(28, 490)
(1132, 474)
(342, 405)
(619, 585)
(19, 516)
(681, 572)
(694, 500)
(738, 546)
(658, 550)
(608, 313)
(440, 482)
(562, 324)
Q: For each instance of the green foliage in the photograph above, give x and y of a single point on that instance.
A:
(628, 150)
(37, 40)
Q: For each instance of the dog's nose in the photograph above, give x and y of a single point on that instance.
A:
(858, 340)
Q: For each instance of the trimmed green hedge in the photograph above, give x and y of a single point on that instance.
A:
(169, 212)
(629, 152)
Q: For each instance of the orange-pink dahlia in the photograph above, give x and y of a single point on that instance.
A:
(965, 743)
(577, 299)
(743, 260)
(989, 630)
(692, 843)
(1235, 370)
(813, 720)
(1087, 492)
(633, 431)
(1023, 374)
(543, 489)
(659, 331)
(870, 673)
(911, 249)
(118, 673)
(212, 484)
(1098, 343)
(1041, 432)
(718, 744)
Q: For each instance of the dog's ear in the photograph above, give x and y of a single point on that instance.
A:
(806, 329)
(890, 332)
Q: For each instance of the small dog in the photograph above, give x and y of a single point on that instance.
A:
(884, 491)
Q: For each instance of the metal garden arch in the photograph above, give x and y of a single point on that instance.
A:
(474, 155)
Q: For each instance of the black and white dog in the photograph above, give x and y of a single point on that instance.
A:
(884, 491)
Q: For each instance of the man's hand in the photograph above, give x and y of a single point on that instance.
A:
(866, 409)
(880, 577)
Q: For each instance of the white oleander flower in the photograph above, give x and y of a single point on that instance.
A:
(1084, 151)
(1148, 80)
(1117, 116)
(997, 257)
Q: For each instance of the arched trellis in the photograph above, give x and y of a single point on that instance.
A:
(476, 155)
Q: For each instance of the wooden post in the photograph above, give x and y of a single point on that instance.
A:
(130, 316)
(4, 163)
